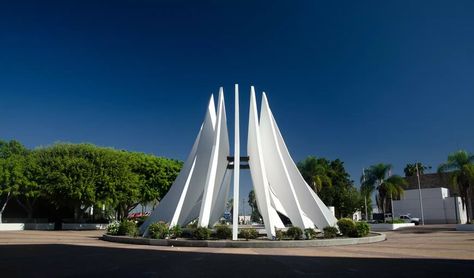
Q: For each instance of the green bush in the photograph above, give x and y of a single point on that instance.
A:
(113, 228)
(309, 233)
(248, 233)
(362, 229)
(223, 232)
(280, 235)
(187, 232)
(202, 233)
(346, 226)
(175, 231)
(295, 233)
(158, 230)
(330, 232)
(127, 228)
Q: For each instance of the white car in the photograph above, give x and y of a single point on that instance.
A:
(408, 219)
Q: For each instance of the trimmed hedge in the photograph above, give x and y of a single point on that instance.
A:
(223, 232)
(346, 226)
(362, 229)
(127, 228)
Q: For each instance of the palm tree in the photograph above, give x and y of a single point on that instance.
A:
(377, 177)
(316, 172)
(460, 165)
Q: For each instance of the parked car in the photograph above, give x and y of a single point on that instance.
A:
(408, 219)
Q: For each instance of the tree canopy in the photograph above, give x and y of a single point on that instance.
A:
(79, 176)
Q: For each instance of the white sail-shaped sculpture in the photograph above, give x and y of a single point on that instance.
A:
(197, 180)
(299, 202)
(201, 189)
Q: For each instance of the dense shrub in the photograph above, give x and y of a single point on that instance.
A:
(280, 235)
(248, 233)
(127, 228)
(309, 233)
(223, 232)
(330, 232)
(346, 226)
(294, 233)
(362, 229)
(187, 232)
(175, 231)
(158, 230)
(113, 228)
(201, 233)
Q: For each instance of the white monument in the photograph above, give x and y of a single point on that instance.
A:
(200, 191)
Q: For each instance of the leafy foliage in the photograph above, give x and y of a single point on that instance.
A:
(295, 233)
(202, 233)
(410, 169)
(346, 226)
(223, 232)
(255, 216)
(175, 231)
(460, 165)
(309, 233)
(127, 228)
(377, 177)
(331, 182)
(159, 230)
(79, 176)
(330, 232)
(361, 229)
(279, 234)
(113, 228)
(248, 233)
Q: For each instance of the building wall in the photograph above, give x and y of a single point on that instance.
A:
(438, 207)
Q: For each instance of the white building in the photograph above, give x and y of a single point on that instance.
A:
(438, 207)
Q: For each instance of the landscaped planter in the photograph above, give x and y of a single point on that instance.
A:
(390, 227)
(374, 237)
(84, 226)
(465, 227)
(12, 227)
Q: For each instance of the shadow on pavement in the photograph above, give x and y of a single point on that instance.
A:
(70, 260)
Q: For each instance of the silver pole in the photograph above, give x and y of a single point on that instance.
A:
(419, 192)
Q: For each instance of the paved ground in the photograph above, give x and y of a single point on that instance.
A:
(422, 251)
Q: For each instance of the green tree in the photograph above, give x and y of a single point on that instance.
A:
(12, 171)
(316, 172)
(332, 183)
(30, 190)
(255, 216)
(377, 177)
(410, 169)
(460, 165)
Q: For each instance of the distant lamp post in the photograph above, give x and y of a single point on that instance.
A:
(419, 192)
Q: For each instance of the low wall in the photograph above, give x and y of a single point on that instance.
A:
(12, 227)
(39, 226)
(390, 227)
(84, 226)
(374, 237)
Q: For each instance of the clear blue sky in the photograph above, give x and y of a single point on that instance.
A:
(363, 81)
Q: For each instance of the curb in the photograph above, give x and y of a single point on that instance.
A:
(374, 237)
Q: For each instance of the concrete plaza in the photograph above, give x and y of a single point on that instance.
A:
(431, 250)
